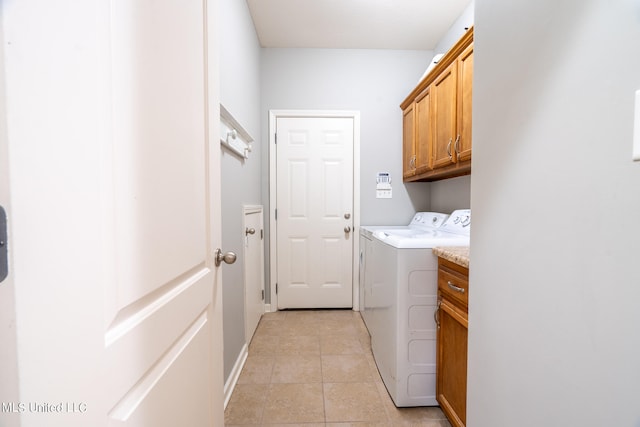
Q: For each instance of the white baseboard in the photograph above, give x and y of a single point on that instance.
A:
(267, 308)
(235, 374)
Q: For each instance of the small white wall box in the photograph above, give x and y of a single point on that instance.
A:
(383, 185)
(233, 136)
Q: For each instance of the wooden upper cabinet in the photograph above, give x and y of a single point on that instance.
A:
(444, 117)
(437, 135)
(408, 142)
(465, 84)
(423, 132)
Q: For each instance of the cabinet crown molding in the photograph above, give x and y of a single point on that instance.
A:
(444, 62)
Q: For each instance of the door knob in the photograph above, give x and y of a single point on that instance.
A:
(249, 231)
(347, 229)
(228, 257)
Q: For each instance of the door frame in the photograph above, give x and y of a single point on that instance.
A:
(273, 185)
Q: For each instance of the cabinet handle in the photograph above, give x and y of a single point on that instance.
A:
(456, 146)
(455, 288)
(449, 149)
(436, 315)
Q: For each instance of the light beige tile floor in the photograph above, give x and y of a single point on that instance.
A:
(315, 368)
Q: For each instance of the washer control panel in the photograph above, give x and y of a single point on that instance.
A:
(428, 219)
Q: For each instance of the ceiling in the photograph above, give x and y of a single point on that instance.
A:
(354, 24)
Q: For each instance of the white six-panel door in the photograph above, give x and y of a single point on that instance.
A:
(314, 211)
(112, 112)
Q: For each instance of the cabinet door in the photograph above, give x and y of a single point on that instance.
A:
(408, 142)
(443, 91)
(465, 83)
(423, 132)
(452, 362)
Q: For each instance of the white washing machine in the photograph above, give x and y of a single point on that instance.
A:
(400, 301)
(420, 221)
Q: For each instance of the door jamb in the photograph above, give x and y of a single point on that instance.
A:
(273, 116)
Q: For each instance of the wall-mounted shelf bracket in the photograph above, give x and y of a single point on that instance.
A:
(233, 136)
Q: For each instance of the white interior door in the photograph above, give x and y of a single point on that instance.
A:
(253, 268)
(111, 110)
(314, 211)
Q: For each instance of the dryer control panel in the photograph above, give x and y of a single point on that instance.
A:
(459, 222)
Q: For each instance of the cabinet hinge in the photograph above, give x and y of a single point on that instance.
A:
(263, 295)
(261, 235)
(276, 289)
(275, 137)
(4, 253)
(276, 214)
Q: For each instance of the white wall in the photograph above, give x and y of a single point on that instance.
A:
(240, 94)
(457, 29)
(554, 322)
(373, 82)
(451, 194)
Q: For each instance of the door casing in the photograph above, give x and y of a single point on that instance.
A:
(273, 185)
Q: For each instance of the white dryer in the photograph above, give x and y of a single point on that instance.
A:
(402, 298)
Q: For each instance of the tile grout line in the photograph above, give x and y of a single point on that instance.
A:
(364, 346)
(324, 399)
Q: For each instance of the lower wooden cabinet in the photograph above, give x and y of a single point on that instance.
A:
(452, 321)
